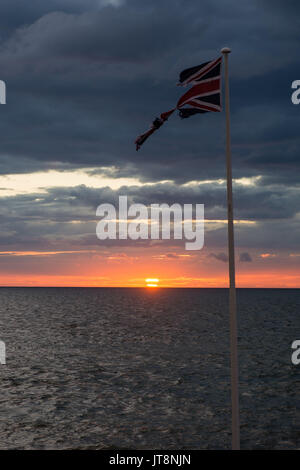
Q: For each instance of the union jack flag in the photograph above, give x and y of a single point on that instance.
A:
(202, 97)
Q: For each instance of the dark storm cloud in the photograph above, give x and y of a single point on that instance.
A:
(282, 7)
(85, 77)
(84, 80)
(17, 13)
(96, 36)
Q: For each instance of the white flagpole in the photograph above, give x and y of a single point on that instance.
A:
(232, 293)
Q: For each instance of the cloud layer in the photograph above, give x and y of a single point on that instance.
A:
(84, 77)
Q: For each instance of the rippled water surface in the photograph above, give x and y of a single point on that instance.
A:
(146, 369)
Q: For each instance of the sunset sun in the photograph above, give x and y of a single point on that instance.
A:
(152, 282)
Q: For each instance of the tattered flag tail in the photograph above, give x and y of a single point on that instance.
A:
(204, 96)
(156, 124)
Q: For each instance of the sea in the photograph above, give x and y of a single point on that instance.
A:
(118, 368)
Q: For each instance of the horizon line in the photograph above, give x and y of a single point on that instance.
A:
(140, 287)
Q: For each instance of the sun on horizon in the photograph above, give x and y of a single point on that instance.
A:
(152, 282)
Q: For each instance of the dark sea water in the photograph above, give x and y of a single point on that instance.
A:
(146, 369)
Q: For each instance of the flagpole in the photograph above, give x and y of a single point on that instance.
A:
(232, 292)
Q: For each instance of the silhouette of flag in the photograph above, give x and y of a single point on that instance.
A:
(203, 97)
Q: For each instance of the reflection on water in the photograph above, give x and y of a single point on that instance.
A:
(137, 368)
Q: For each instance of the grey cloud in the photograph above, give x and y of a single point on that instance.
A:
(219, 256)
(84, 79)
(83, 83)
(251, 202)
(42, 221)
(107, 36)
(245, 257)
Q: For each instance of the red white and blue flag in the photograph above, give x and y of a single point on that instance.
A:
(202, 97)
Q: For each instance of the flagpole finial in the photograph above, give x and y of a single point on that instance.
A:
(226, 50)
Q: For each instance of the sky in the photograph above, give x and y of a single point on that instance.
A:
(84, 78)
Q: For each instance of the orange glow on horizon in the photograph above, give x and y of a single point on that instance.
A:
(266, 279)
(130, 268)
